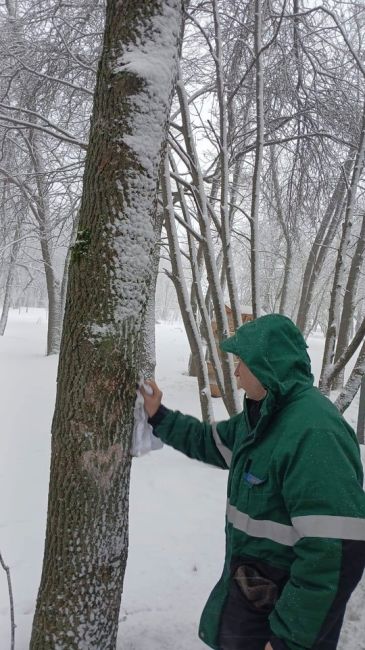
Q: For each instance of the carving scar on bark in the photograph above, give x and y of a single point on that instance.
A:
(103, 465)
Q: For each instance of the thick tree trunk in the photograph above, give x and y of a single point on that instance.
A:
(110, 276)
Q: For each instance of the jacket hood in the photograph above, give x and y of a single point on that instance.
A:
(276, 353)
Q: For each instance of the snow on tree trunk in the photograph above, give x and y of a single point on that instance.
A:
(148, 346)
(110, 275)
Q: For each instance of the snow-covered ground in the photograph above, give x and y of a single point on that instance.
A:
(176, 505)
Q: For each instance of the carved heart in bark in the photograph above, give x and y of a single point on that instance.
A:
(103, 465)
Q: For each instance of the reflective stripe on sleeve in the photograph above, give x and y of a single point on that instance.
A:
(321, 526)
(223, 450)
(330, 526)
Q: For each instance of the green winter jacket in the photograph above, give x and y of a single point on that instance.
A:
(294, 499)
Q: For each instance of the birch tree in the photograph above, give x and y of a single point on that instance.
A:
(109, 281)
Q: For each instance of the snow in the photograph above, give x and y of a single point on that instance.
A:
(177, 505)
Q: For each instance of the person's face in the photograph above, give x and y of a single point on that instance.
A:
(247, 380)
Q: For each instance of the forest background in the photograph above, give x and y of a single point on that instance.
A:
(266, 158)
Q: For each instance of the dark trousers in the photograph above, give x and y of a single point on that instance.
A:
(243, 627)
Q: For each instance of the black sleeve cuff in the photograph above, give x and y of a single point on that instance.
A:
(278, 644)
(155, 420)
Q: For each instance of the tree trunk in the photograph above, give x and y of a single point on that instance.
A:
(66, 267)
(148, 349)
(216, 294)
(349, 304)
(177, 277)
(353, 383)
(10, 281)
(320, 247)
(338, 281)
(223, 157)
(43, 212)
(110, 275)
(259, 148)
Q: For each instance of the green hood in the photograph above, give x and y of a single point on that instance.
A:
(275, 351)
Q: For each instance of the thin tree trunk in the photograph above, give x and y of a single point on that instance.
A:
(66, 267)
(321, 244)
(209, 253)
(177, 276)
(259, 148)
(44, 224)
(284, 226)
(223, 156)
(349, 304)
(206, 324)
(338, 281)
(110, 275)
(353, 383)
(10, 280)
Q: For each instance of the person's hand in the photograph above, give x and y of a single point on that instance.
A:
(268, 646)
(151, 402)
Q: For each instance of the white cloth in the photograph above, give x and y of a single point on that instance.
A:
(143, 439)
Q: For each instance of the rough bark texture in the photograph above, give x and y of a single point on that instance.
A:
(110, 274)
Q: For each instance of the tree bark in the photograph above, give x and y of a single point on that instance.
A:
(109, 280)
(353, 383)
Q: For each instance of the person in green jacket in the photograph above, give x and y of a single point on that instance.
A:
(295, 520)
